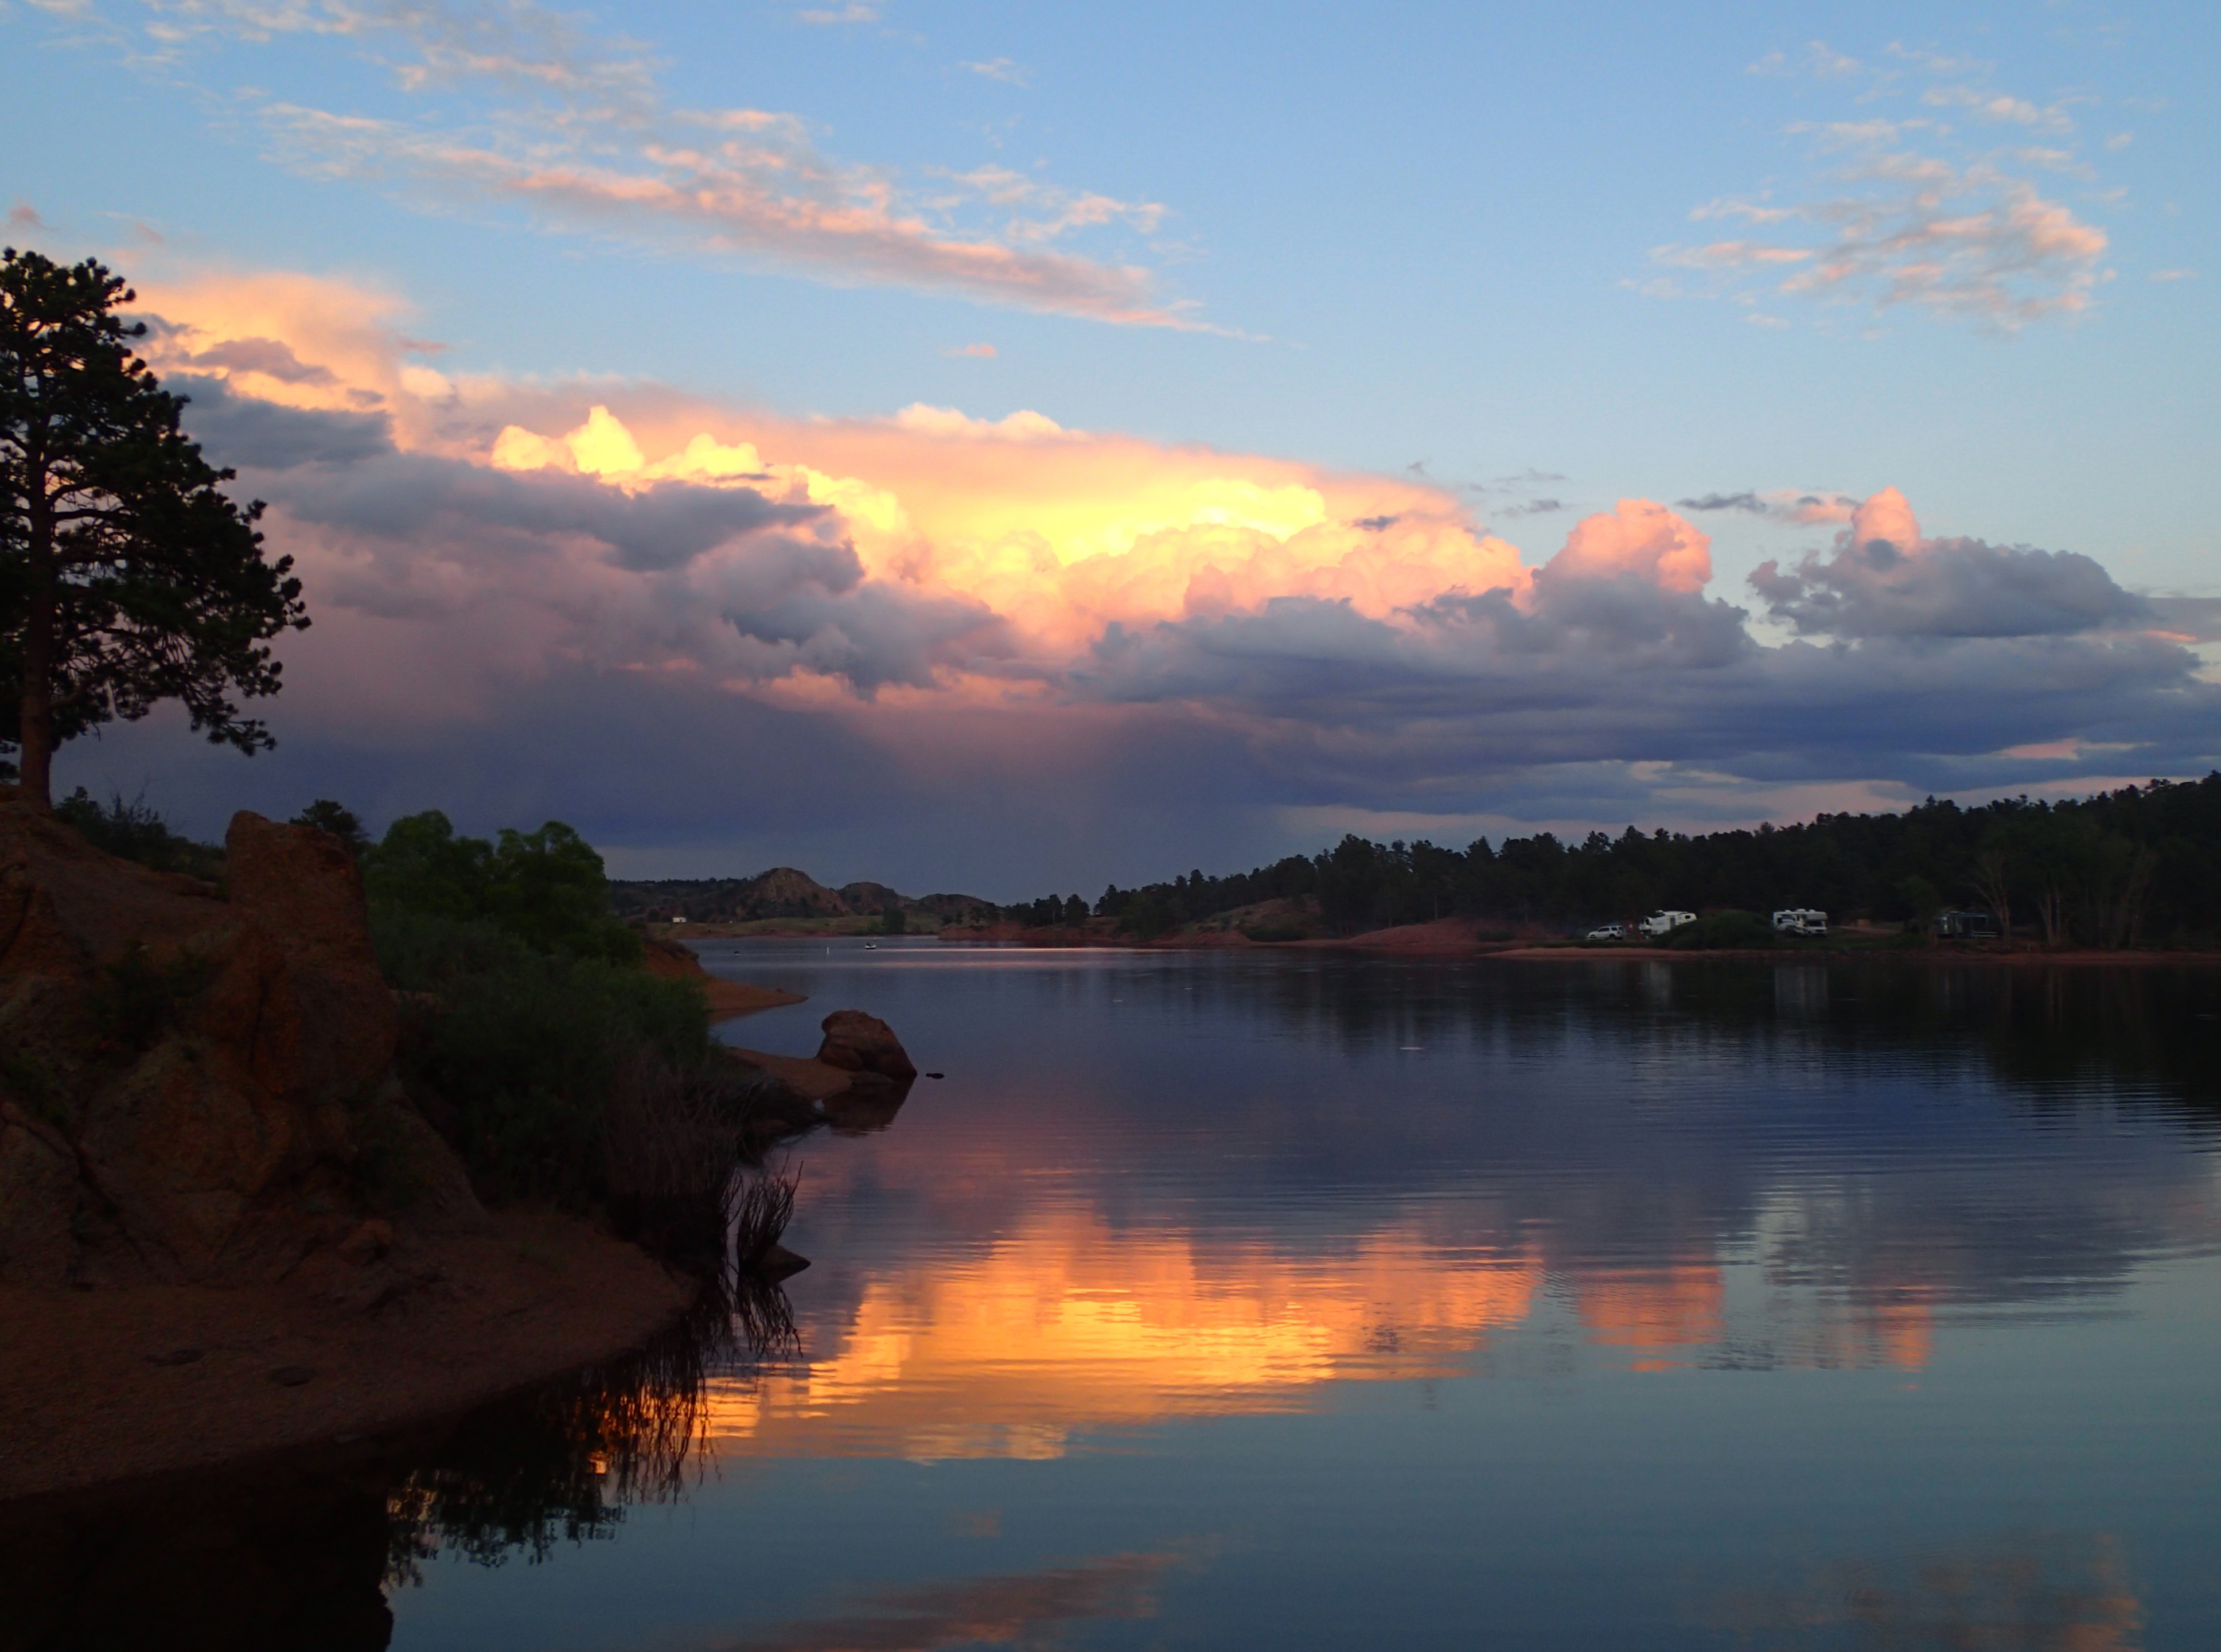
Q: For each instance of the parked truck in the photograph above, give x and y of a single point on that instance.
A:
(1800, 920)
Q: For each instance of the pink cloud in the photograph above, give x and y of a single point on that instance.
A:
(1886, 515)
(1640, 538)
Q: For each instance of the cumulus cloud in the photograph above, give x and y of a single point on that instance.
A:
(1017, 627)
(1883, 580)
(1638, 539)
(575, 130)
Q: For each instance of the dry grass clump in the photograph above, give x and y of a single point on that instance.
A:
(672, 1141)
(760, 1213)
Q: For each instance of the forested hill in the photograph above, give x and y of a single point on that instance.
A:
(2139, 865)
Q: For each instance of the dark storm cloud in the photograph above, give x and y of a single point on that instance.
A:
(268, 357)
(660, 528)
(1476, 700)
(247, 434)
(1947, 588)
(2197, 618)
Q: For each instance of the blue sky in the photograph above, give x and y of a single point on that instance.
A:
(1538, 254)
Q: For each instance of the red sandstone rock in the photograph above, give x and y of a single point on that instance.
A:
(861, 1043)
(191, 1079)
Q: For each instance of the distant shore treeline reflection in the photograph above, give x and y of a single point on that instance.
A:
(2138, 866)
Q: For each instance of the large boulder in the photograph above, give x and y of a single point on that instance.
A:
(861, 1043)
(196, 1083)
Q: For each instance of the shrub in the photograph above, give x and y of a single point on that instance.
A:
(525, 1048)
(132, 831)
(548, 887)
(672, 1139)
(1722, 930)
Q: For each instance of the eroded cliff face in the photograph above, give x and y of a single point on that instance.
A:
(196, 1083)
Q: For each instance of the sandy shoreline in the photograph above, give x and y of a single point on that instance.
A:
(94, 1386)
(729, 999)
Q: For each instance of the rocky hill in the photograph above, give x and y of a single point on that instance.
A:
(781, 893)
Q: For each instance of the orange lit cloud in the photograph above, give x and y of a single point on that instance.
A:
(468, 539)
(1065, 532)
(1642, 539)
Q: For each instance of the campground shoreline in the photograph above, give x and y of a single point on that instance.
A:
(1454, 939)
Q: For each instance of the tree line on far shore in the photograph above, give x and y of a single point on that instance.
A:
(2138, 866)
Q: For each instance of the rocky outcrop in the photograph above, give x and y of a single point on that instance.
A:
(861, 1043)
(196, 1083)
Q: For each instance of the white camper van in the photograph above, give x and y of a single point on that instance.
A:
(1660, 923)
(1800, 920)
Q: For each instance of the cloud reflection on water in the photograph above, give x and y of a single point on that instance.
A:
(1755, 1170)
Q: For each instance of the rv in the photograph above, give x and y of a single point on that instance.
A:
(1800, 920)
(1660, 923)
(1966, 926)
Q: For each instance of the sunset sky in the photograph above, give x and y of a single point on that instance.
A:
(1004, 447)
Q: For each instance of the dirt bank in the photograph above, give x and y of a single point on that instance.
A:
(676, 961)
(97, 1385)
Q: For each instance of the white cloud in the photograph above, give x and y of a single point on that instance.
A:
(575, 130)
(1998, 107)
(1000, 69)
(1902, 216)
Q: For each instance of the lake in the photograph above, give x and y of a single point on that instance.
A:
(1265, 1299)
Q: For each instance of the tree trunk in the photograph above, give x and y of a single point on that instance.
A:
(1991, 879)
(36, 709)
(2051, 913)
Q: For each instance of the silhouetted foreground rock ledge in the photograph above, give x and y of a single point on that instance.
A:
(222, 1226)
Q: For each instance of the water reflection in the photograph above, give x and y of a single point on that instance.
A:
(1587, 1304)
(561, 1462)
(1025, 1609)
(304, 1552)
(1068, 1323)
(2035, 1592)
(1313, 1173)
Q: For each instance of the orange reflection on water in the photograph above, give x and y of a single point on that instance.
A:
(1065, 1324)
(1664, 1307)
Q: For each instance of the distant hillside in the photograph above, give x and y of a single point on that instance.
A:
(781, 893)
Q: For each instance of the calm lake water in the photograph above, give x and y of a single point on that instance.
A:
(1228, 1300)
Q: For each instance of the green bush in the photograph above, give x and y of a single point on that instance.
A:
(132, 831)
(523, 1047)
(1722, 930)
(547, 888)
